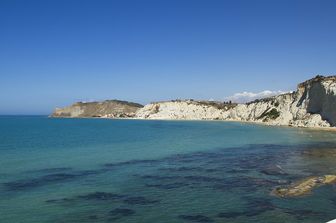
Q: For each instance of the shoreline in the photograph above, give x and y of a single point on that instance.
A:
(329, 129)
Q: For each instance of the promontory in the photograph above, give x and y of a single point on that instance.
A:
(312, 104)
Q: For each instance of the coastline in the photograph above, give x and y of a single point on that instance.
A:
(329, 129)
(311, 106)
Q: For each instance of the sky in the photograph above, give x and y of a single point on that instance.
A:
(56, 52)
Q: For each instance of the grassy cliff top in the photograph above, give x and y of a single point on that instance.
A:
(133, 104)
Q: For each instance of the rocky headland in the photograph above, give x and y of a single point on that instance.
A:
(104, 109)
(313, 104)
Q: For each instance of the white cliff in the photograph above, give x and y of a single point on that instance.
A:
(188, 110)
(312, 105)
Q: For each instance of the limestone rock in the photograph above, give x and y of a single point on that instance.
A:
(304, 187)
(313, 104)
(104, 109)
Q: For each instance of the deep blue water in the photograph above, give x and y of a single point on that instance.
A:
(100, 170)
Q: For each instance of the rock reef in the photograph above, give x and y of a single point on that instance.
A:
(304, 187)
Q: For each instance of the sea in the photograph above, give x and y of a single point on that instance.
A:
(146, 171)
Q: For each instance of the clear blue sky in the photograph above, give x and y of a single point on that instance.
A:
(53, 53)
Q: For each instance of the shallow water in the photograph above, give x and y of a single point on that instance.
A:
(97, 170)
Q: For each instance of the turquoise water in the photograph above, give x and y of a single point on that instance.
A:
(97, 170)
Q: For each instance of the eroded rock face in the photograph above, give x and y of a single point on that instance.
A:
(186, 109)
(312, 105)
(304, 187)
(320, 97)
(105, 109)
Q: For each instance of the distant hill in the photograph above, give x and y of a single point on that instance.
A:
(105, 109)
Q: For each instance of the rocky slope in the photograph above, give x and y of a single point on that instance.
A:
(313, 104)
(104, 109)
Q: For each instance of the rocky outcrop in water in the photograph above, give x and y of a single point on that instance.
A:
(304, 187)
(313, 104)
(104, 109)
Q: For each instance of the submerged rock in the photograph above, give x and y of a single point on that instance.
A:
(40, 181)
(304, 187)
(58, 177)
(167, 186)
(102, 196)
(302, 214)
(230, 214)
(50, 170)
(273, 170)
(196, 218)
(139, 201)
(93, 217)
(320, 153)
(254, 207)
(120, 213)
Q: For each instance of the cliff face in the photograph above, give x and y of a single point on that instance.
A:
(105, 109)
(187, 109)
(312, 105)
(319, 94)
